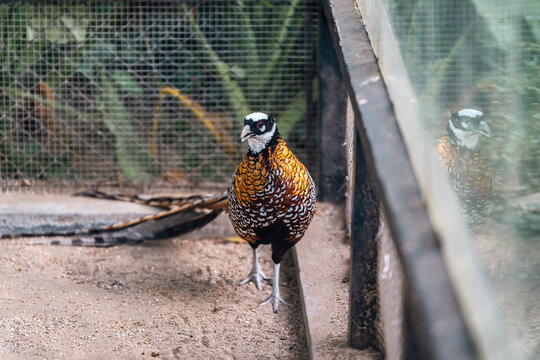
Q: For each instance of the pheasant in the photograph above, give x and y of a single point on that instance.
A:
(271, 200)
(271, 197)
(460, 155)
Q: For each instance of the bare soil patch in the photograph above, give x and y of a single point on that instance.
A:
(173, 299)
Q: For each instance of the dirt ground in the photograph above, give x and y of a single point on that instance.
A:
(513, 268)
(172, 299)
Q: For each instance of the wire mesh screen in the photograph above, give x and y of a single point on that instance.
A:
(472, 57)
(123, 92)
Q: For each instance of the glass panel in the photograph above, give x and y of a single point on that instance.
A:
(475, 68)
(109, 92)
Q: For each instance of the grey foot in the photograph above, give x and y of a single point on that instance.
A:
(276, 300)
(255, 275)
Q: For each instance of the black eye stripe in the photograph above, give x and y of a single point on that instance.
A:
(259, 124)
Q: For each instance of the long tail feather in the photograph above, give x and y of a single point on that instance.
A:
(174, 225)
(155, 201)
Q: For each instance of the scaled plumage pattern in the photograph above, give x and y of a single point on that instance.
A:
(460, 155)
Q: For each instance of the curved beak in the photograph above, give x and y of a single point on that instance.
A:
(483, 128)
(246, 133)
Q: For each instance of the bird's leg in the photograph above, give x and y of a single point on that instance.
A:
(256, 273)
(275, 298)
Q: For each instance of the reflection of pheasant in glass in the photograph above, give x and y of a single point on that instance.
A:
(459, 153)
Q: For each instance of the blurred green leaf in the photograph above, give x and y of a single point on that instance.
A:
(135, 163)
(284, 41)
(127, 82)
(56, 34)
(296, 110)
(53, 25)
(77, 30)
(249, 39)
(235, 93)
(27, 58)
(238, 71)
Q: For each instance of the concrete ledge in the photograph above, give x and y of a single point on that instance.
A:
(42, 213)
(38, 213)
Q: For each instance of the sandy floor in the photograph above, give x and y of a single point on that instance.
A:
(173, 299)
(513, 267)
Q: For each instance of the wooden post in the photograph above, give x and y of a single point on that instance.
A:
(364, 298)
(332, 108)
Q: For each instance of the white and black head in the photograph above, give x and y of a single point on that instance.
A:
(259, 130)
(466, 126)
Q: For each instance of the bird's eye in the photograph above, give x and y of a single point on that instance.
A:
(260, 125)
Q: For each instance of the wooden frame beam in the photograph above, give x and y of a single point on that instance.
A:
(437, 322)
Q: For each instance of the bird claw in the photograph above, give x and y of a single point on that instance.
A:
(255, 275)
(276, 300)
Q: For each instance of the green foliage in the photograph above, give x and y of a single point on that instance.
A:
(106, 69)
(134, 162)
(236, 96)
(296, 110)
